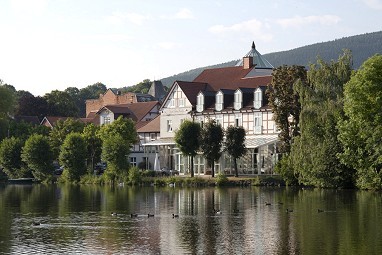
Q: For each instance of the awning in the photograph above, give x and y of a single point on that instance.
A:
(260, 140)
(161, 141)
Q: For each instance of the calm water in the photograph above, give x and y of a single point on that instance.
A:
(78, 220)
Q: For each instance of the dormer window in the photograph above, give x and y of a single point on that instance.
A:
(258, 99)
(200, 103)
(219, 101)
(238, 103)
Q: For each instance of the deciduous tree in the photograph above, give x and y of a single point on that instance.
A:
(234, 144)
(10, 158)
(187, 140)
(211, 139)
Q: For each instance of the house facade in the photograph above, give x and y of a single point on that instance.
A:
(232, 96)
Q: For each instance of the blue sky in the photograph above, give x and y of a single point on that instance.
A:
(55, 44)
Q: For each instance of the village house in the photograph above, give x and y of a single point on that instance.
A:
(232, 96)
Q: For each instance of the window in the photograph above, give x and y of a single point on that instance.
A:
(219, 101)
(219, 120)
(258, 99)
(238, 100)
(169, 125)
(133, 161)
(200, 103)
(153, 137)
(238, 120)
(106, 120)
(181, 102)
(257, 123)
(171, 103)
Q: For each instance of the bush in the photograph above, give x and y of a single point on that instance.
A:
(221, 179)
(134, 177)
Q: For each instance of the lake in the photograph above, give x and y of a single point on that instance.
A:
(41, 219)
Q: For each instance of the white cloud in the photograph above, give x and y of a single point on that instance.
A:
(137, 18)
(299, 21)
(181, 14)
(167, 45)
(374, 4)
(253, 27)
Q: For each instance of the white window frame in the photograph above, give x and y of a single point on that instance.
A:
(238, 100)
(257, 123)
(219, 120)
(238, 120)
(169, 126)
(219, 101)
(258, 98)
(200, 103)
(133, 161)
(181, 102)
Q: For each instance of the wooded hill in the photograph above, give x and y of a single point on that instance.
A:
(362, 47)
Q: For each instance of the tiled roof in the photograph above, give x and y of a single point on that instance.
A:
(136, 111)
(152, 126)
(191, 89)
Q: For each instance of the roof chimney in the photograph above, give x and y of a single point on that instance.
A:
(247, 62)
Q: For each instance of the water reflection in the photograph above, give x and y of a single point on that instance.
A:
(77, 219)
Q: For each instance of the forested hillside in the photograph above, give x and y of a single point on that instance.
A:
(362, 47)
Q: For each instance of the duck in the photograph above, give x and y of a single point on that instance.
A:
(235, 210)
(175, 215)
(267, 203)
(289, 210)
(113, 214)
(280, 203)
(320, 210)
(150, 215)
(218, 212)
(36, 223)
(133, 215)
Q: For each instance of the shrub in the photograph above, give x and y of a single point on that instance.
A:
(221, 179)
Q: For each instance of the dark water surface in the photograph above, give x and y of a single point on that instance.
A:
(78, 220)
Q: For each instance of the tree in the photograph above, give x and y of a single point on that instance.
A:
(10, 157)
(61, 104)
(211, 139)
(187, 140)
(234, 144)
(117, 139)
(29, 105)
(73, 156)
(115, 152)
(38, 156)
(284, 101)
(61, 130)
(7, 104)
(93, 144)
(314, 153)
(360, 131)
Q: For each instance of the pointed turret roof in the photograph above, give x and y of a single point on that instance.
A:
(157, 90)
(258, 59)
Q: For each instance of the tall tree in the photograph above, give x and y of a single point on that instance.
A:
(314, 152)
(7, 105)
(234, 144)
(122, 126)
(10, 158)
(187, 140)
(73, 156)
(360, 131)
(38, 156)
(284, 100)
(61, 130)
(60, 103)
(211, 139)
(93, 144)
(29, 105)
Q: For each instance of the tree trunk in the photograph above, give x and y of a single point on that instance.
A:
(213, 168)
(192, 166)
(235, 166)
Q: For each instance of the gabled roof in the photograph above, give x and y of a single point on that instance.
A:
(152, 126)
(136, 111)
(50, 121)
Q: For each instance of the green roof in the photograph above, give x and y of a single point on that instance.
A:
(258, 59)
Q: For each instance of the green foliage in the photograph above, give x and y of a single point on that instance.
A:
(142, 87)
(234, 144)
(61, 130)
(211, 139)
(135, 176)
(73, 157)
(360, 131)
(10, 158)
(284, 101)
(29, 105)
(115, 151)
(285, 169)
(38, 156)
(313, 154)
(122, 126)
(92, 179)
(221, 179)
(93, 145)
(187, 140)
(60, 103)
(7, 100)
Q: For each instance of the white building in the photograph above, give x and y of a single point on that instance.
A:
(233, 96)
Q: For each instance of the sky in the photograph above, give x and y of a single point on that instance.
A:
(50, 45)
